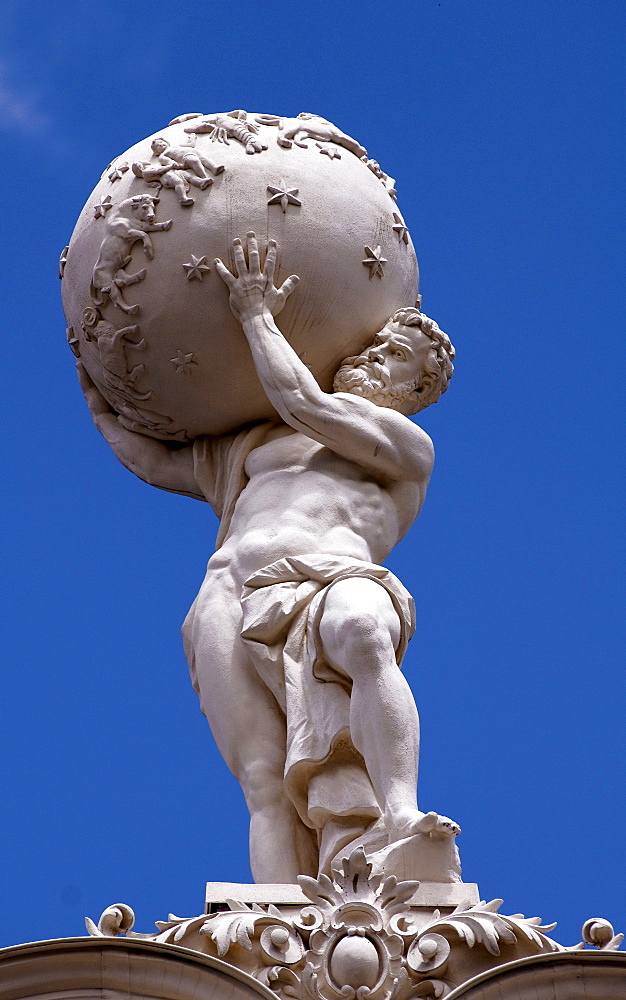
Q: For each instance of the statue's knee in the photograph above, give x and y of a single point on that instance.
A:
(262, 784)
(359, 618)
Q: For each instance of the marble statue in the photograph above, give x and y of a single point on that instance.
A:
(299, 437)
(312, 464)
(295, 594)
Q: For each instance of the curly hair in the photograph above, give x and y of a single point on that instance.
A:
(438, 366)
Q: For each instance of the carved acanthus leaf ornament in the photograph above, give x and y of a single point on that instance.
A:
(360, 939)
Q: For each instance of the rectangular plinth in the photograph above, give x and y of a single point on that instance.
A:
(429, 894)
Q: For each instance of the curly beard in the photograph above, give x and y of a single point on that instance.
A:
(372, 381)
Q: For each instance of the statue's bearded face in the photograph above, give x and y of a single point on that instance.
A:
(389, 371)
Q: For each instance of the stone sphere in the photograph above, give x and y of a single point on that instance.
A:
(354, 961)
(149, 316)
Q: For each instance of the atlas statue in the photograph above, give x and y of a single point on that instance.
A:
(312, 464)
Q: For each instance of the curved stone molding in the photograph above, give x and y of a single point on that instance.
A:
(360, 938)
(589, 975)
(119, 969)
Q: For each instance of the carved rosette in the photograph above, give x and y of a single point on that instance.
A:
(359, 940)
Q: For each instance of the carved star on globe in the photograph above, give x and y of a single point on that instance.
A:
(103, 206)
(184, 362)
(375, 261)
(197, 267)
(73, 341)
(283, 196)
(400, 228)
(63, 260)
(118, 172)
(330, 151)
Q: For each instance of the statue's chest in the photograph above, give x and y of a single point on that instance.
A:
(286, 450)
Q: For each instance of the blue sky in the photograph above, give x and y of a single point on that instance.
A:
(502, 124)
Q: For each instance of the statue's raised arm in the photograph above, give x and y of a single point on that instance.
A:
(406, 367)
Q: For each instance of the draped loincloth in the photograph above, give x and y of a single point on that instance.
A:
(282, 604)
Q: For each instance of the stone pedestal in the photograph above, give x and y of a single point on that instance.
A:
(366, 935)
(362, 936)
(122, 969)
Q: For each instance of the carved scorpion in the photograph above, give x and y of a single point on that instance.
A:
(235, 125)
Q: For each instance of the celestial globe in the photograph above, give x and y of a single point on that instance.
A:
(147, 313)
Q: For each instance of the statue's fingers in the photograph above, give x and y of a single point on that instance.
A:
(224, 273)
(288, 286)
(254, 263)
(95, 400)
(240, 258)
(83, 378)
(270, 262)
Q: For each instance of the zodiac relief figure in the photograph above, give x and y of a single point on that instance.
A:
(311, 127)
(389, 182)
(233, 125)
(177, 167)
(119, 377)
(132, 220)
(112, 344)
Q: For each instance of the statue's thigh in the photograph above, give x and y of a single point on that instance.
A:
(358, 620)
(244, 717)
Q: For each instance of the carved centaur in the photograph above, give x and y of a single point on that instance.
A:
(131, 221)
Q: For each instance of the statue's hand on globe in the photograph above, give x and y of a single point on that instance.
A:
(153, 461)
(252, 290)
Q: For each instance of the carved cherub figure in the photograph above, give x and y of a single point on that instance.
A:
(170, 175)
(311, 127)
(131, 221)
(187, 156)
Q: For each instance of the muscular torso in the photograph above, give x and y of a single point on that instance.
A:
(302, 498)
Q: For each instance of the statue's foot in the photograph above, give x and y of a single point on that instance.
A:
(412, 821)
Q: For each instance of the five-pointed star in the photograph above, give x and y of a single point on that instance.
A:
(117, 172)
(63, 260)
(196, 267)
(73, 341)
(184, 362)
(375, 261)
(400, 228)
(102, 207)
(283, 197)
(330, 151)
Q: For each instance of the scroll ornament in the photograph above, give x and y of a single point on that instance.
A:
(360, 939)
